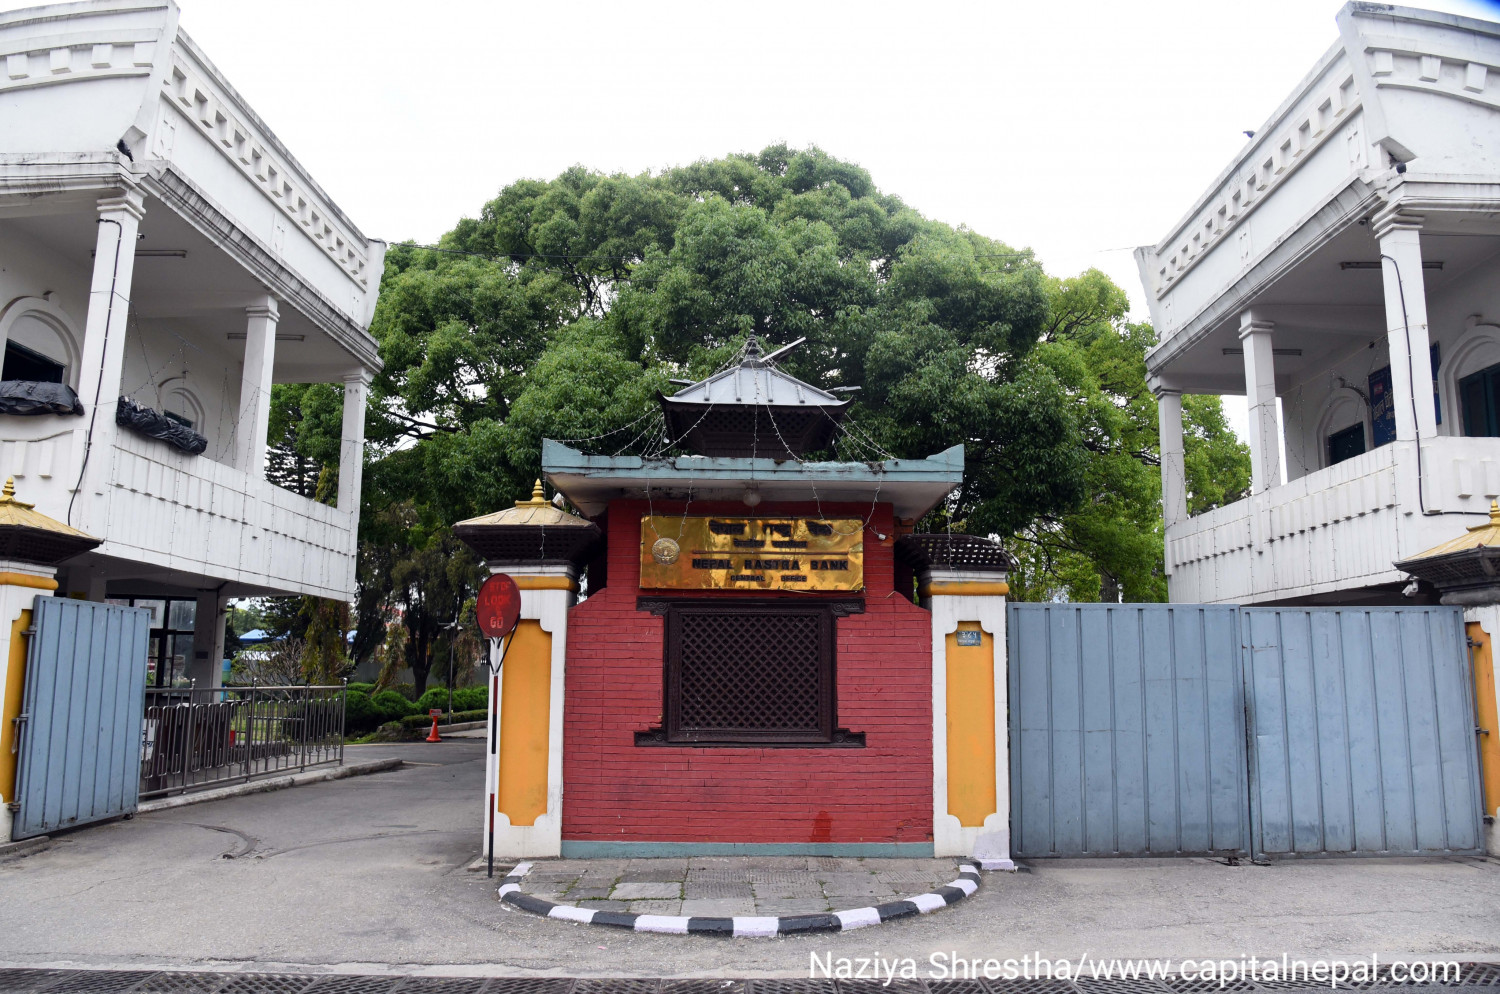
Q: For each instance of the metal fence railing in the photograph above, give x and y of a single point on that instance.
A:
(199, 738)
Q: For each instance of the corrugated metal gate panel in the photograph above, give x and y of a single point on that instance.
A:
(1364, 731)
(1127, 729)
(80, 746)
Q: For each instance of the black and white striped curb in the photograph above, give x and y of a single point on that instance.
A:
(741, 926)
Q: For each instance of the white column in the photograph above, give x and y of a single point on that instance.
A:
(1406, 322)
(103, 355)
(352, 444)
(1173, 465)
(255, 387)
(1260, 395)
(207, 666)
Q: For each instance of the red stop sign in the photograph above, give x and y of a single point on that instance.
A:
(498, 606)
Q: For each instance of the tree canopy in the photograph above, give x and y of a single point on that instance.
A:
(565, 305)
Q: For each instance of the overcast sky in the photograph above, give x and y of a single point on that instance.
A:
(1079, 129)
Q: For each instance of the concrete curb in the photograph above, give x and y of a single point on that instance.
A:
(269, 784)
(25, 847)
(742, 926)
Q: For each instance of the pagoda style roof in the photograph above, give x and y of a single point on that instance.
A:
(753, 409)
(532, 531)
(912, 486)
(948, 550)
(1470, 562)
(27, 535)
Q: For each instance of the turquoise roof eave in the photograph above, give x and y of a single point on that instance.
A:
(912, 486)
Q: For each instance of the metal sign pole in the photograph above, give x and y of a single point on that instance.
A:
(496, 661)
(497, 610)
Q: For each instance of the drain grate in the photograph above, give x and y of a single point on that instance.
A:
(957, 987)
(181, 983)
(267, 983)
(1124, 985)
(355, 985)
(1475, 978)
(30, 980)
(1206, 985)
(101, 982)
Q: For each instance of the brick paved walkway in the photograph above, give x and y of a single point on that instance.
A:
(711, 886)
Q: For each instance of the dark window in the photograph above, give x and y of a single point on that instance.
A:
(1479, 398)
(1346, 444)
(171, 644)
(22, 363)
(743, 673)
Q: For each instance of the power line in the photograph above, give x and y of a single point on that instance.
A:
(497, 256)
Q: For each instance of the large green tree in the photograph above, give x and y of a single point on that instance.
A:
(565, 305)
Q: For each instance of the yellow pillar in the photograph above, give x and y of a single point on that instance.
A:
(971, 724)
(525, 705)
(20, 585)
(1487, 711)
(970, 738)
(524, 775)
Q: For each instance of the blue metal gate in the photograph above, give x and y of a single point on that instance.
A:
(1156, 729)
(80, 735)
(1364, 731)
(1127, 734)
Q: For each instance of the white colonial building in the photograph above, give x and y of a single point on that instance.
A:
(158, 243)
(1344, 267)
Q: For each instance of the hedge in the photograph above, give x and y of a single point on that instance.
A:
(464, 699)
(457, 717)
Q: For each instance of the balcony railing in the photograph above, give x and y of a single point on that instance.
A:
(1338, 528)
(224, 521)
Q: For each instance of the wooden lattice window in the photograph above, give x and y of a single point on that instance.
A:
(749, 673)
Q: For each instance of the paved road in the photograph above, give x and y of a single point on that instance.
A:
(368, 874)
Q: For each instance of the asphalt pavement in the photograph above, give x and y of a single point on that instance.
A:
(368, 875)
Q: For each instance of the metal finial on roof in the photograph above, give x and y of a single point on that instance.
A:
(753, 355)
(8, 495)
(537, 498)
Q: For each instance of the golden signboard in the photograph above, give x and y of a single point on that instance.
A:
(782, 554)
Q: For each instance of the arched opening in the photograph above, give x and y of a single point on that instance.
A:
(39, 343)
(182, 405)
(1470, 381)
(1343, 430)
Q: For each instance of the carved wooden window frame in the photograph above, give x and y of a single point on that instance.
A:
(828, 734)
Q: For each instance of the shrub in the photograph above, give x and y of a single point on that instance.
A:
(472, 698)
(464, 699)
(392, 706)
(436, 697)
(406, 690)
(456, 718)
(361, 715)
(363, 688)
